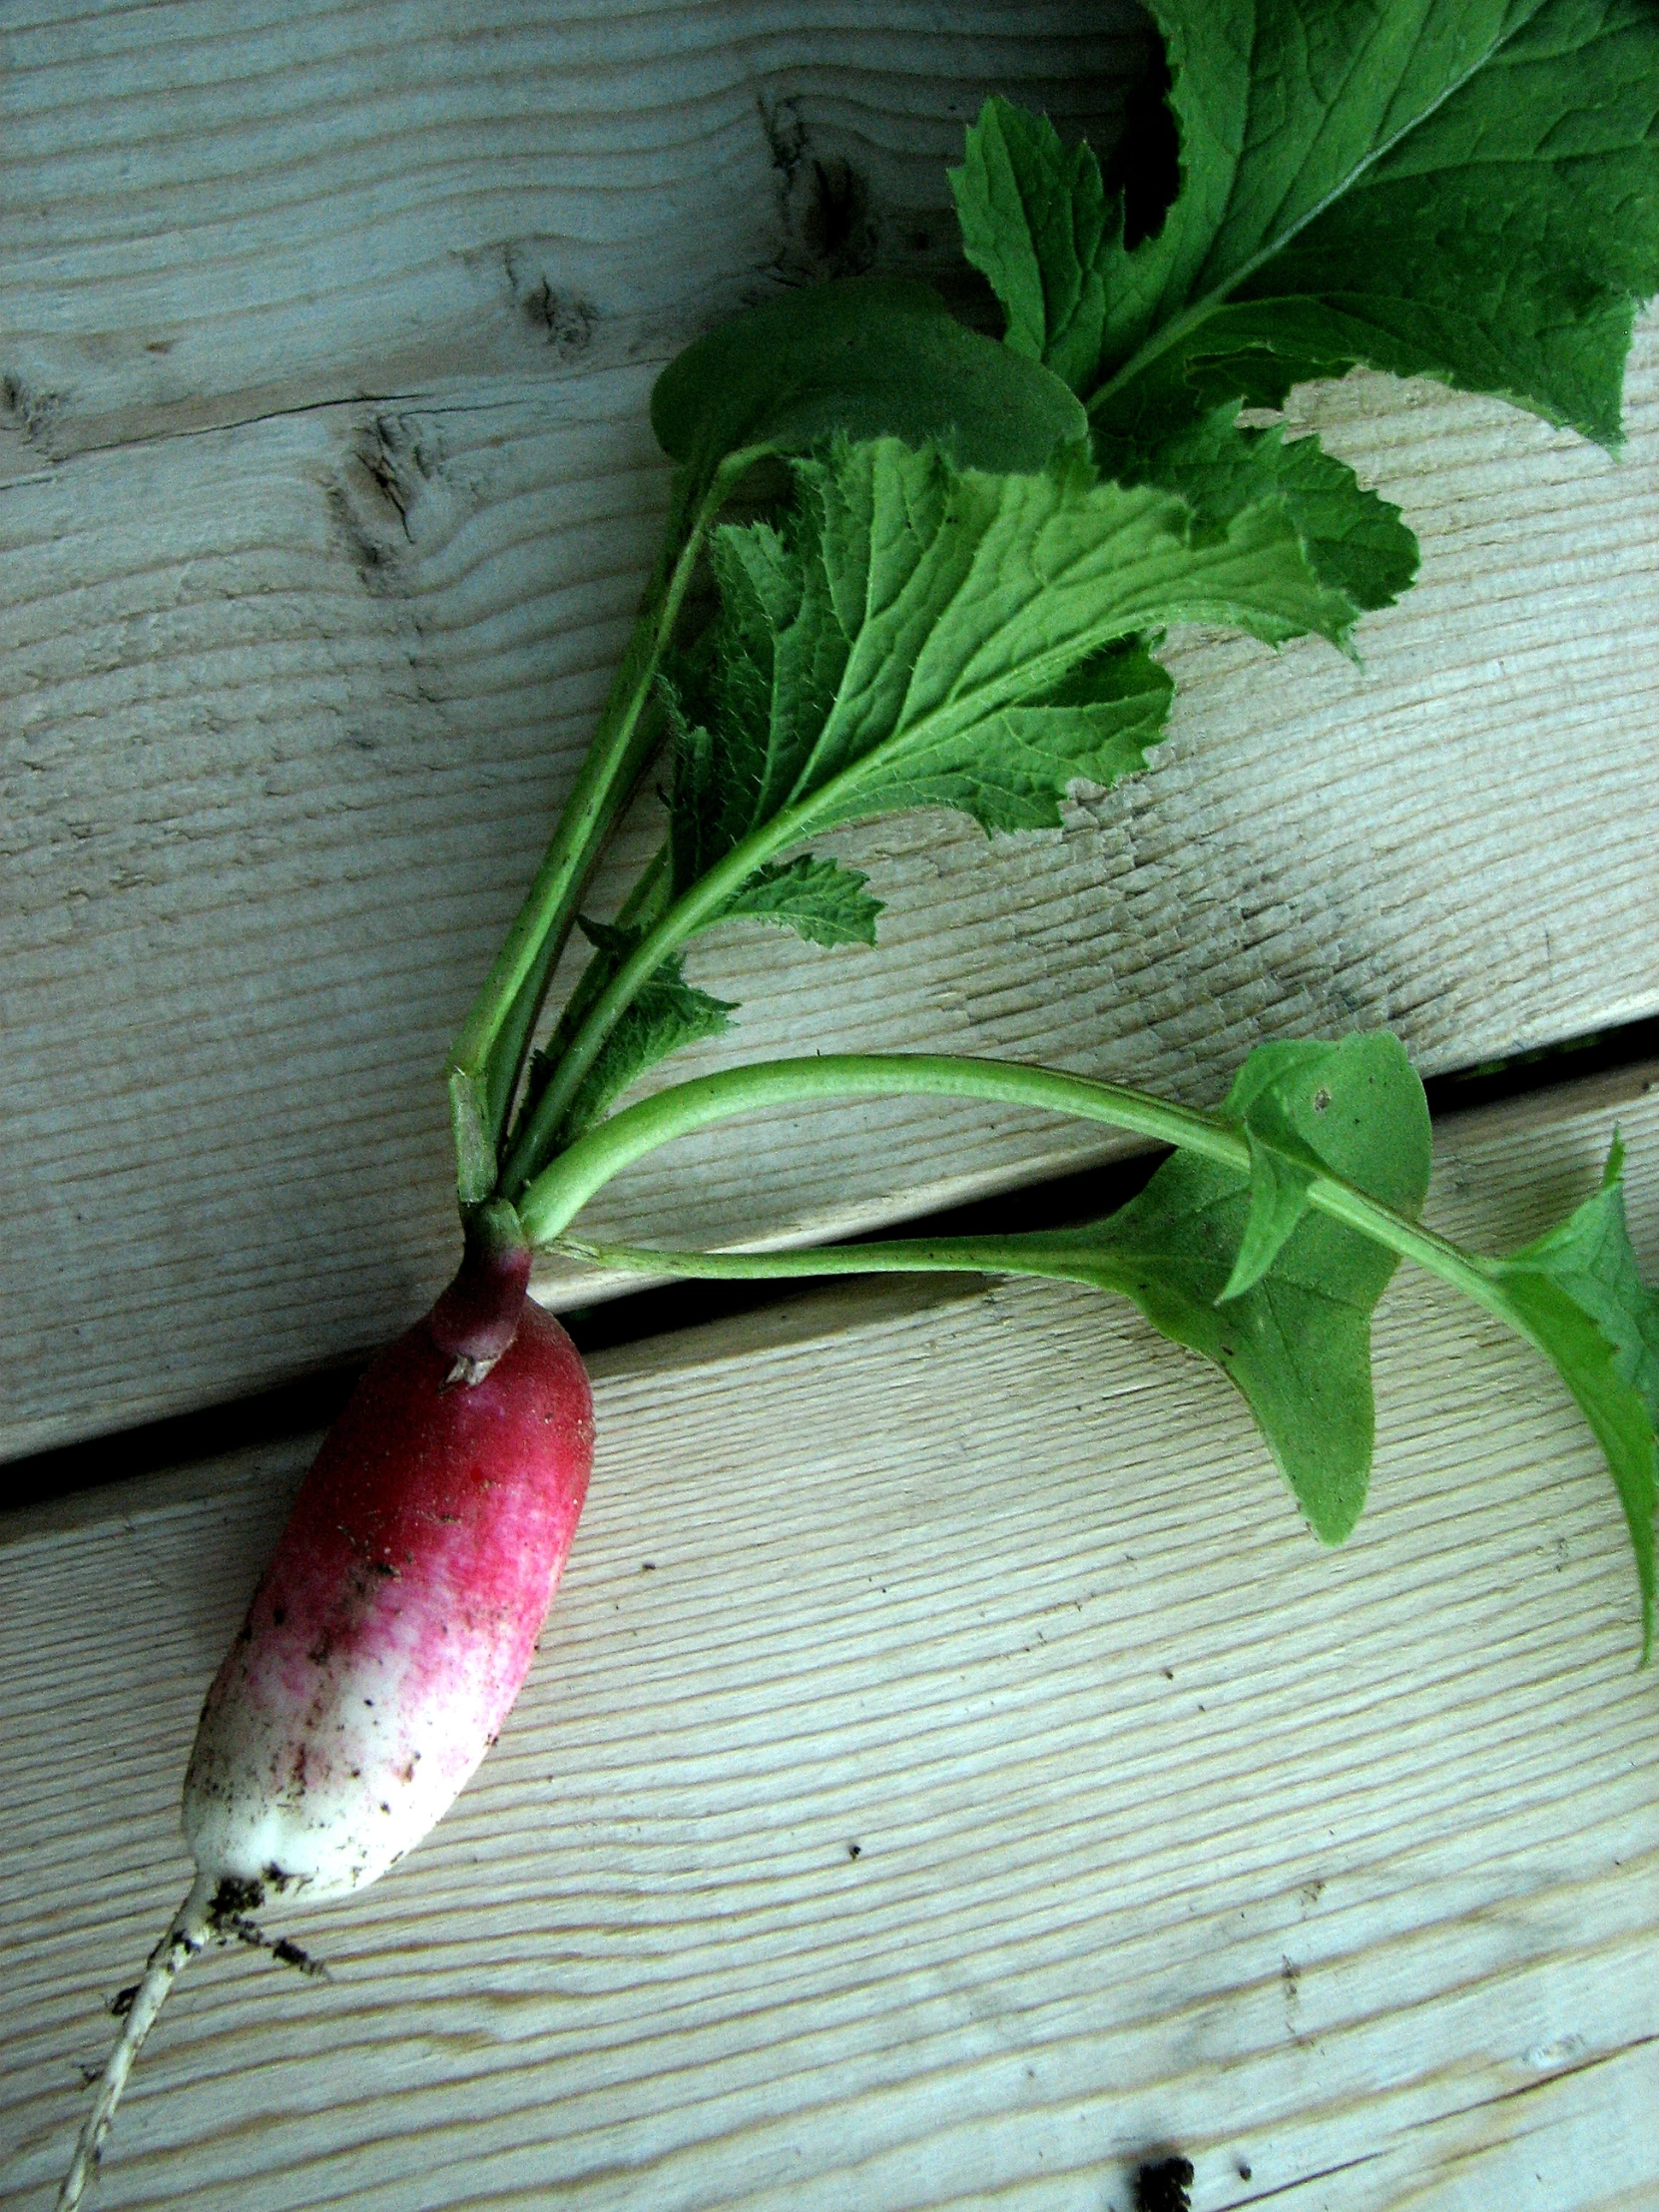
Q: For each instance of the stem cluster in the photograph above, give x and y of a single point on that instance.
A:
(530, 1152)
(487, 1063)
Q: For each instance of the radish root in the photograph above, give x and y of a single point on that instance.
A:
(193, 1925)
(210, 1915)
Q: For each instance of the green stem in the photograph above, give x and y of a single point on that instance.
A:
(693, 911)
(1014, 1254)
(892, 1256)
(558, 1194)
(1464, 1271)
(487, 1056)
(560, 1191)
(510, 1049)
(640, 909)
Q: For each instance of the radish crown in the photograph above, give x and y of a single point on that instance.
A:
(477, 1316)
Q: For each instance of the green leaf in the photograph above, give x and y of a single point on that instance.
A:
(873, 356)
(818, 900)
(1576, 1295)
(1297, 1342)
(1463, 188)
(1354, 541)
(915, 635)
(1282, 1162)
(667, 1012)
(612, 941)
(1033, 218)
(1277, 1201)
(1032, 215)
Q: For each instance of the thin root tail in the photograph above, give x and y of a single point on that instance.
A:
(191, 1931)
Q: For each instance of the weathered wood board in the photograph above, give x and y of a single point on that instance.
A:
(1337, 1872)
(325, 505)
(217, 211)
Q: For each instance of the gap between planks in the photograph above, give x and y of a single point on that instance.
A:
(809, 1314)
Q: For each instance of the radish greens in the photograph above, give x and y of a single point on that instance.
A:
(909, 566)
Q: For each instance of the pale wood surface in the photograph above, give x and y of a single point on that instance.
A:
(325, 500)
(1173, 1830)
(214, 211)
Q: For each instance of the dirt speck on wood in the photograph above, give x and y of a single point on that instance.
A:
(1162, 2185)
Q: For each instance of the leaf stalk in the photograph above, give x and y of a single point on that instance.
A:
(552, 1201)
(486, 1061)
(558, 1194)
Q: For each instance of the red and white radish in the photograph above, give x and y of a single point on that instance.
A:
(394, 1627)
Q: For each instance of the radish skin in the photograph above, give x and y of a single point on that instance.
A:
(396, 1621)
(394, 1627)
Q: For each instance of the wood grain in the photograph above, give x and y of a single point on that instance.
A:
(293, 678)
(1173, 1831)
(215, 212)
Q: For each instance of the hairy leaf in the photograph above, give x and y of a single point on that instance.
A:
(1465, 189)
(818, 900)
(1033, 218)
(1165, 433)
(1462, 189)
(915, 635)
(1576, 1295)
(664, 1015)
(873, 356)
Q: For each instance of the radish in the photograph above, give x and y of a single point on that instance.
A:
(945, 571)
(394, 1627)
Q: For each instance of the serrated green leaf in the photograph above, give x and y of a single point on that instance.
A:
(916, 634)
(608, 938)
(1465, 189)
(1033, 218)
(872, 356)
(664, 1015)
(1462, 189)
(1032, 212)
(1575, 1293)
(1355, 542)
(1296, 1343)
(818, 900)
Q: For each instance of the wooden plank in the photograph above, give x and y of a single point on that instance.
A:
(288, 707)
(281, 207)
(1174, 1830)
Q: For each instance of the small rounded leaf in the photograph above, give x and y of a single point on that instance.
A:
(872, 356)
